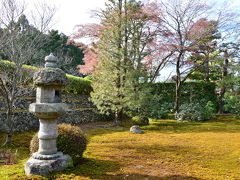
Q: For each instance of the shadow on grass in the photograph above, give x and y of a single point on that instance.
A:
(103, 170)
(146, 177)
(92, 168)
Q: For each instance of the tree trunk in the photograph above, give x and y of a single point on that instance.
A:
(223, 89)
(178, 85)
(177, 98)
(8, 139)
(9, 126)
(206, 68)
(221, 103)
(118, 118)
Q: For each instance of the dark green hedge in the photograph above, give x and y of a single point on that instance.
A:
(77, 85)
(8, 68)
(163, 92)
(191, 91)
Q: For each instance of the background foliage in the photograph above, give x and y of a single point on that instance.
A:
(76, 85)
(163, 99)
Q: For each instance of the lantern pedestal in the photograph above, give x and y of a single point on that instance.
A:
(44, 165)
(48, 108)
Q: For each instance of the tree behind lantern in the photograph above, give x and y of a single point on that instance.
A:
(118, 82)
(19, 41)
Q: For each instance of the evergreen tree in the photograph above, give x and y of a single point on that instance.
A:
(70, 54)
(222, 68)
(118, 83)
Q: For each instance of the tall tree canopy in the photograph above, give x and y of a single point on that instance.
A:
(183, 33)
(70, 54)
(118, 54)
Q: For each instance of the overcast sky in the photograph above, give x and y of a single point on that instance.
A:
(72, 12)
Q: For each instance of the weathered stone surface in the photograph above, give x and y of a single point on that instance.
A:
(50, 77)
(47, 136)
(45, 94)
(136, 129)
(74, 101)
(22, 121)
(46, 167)
(51, 61)
(77, 101)
(36, 155)
(27, 121)
(81, 110)
(26, 92)
(48, 110)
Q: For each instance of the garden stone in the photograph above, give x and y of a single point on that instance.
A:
(48, 108)
(136, 129)
(46, 167)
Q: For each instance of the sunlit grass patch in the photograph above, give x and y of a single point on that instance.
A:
(221, 124)
(167, 150)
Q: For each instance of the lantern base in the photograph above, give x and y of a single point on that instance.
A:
(45, 167)
(36, 155)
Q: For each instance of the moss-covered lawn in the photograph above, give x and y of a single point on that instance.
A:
(167, 150)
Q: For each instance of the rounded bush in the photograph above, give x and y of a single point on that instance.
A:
(232, 103)
(140, 120)
(78, 85)
(71, 140)
(196, 111)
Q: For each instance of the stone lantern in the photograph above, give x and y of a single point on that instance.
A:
(48, 108)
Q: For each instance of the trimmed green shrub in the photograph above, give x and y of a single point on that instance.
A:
(163, 99)
(70, 140)
(78, 85)
(159, 110)
(232, 103)
(196, 111)
(26, 72)
(89, 77)
(190, 91)
(6, 65)
(140, 120)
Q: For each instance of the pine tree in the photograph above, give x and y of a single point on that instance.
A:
(118, 83)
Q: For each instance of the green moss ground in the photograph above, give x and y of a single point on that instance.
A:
(167, 150)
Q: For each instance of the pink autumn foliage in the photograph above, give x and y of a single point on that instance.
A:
(149, 13)
(152, 11)
(90, 59)
(202, 28)
(90, 31)
(157, 51)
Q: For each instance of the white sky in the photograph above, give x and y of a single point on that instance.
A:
(73, 12)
